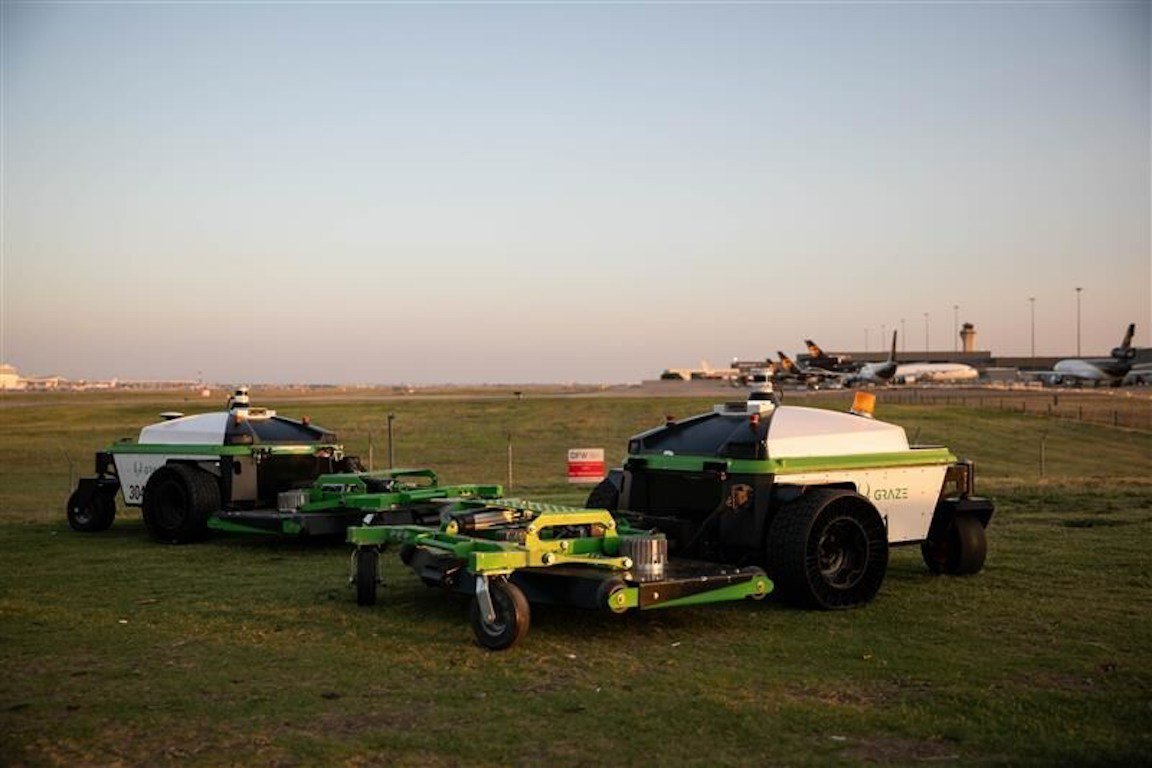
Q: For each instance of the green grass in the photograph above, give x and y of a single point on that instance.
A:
(116, 650)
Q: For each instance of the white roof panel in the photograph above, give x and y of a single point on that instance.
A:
(201, 429)
(796, 431)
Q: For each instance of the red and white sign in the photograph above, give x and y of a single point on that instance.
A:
(585, 465)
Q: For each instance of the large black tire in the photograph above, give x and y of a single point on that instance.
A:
(512, 616)
(91, 512)
(827, 550)
(959, 549)
(367, 575)
(178, 500)
(604, 496)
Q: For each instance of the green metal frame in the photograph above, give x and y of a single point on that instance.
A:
(347, 494)
(348, 490)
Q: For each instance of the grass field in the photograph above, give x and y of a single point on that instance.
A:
(116, 650)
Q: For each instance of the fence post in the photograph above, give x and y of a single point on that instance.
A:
(391, 445)
(509, 460)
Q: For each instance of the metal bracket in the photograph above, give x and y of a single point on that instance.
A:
(484, 600)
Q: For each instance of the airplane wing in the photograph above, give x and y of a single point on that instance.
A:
(813, 370)
(1054, 378)
(1140, 373)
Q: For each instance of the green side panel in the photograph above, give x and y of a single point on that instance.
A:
(913, 458)
(370, 536)
(759, 586)
(182, 450)
(229, 526)
(497, 562)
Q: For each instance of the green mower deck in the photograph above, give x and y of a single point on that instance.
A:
(508, 553)
(336, 501)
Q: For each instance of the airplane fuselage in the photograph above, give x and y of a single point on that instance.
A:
(1101, 369)
(936, 372)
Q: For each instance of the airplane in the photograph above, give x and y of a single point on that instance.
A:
(1111, 371)
(875, 373)
(818, 358)
(907, 373)
(789, 370)
(888, 371)
(705, 371)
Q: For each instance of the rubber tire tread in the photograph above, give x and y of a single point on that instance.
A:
(511, 606)
(966, 545)
(604, 496)
(101, 515)
(787, 552)
(202, 492)
(367, 564)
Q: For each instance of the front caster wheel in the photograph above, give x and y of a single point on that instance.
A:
(367, 570)
(959, 549)
(91, 512)
(511, 620)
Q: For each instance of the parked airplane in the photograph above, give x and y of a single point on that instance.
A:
(818, 358)
(875, 373)
(907, 373)
(789, 370)
(705, 371)
(1097, 370)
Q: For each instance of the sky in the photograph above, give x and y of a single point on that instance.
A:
(563, 192)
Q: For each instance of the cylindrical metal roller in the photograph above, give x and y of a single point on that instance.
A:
(486, 519)
(290, 501)
(649, 555)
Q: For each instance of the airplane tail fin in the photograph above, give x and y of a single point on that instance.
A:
(1125, 351)
(814, 348)
(892, 353)
(786, 362)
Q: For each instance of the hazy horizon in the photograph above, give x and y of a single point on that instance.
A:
(563, 192)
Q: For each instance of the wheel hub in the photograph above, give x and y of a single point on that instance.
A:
(842, 553)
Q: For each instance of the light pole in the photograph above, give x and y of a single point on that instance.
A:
(925, 334)
(1078, 289)
(1032, 307)
(955, 328)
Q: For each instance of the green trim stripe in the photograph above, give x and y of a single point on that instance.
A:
(791, 466)
(171, 449)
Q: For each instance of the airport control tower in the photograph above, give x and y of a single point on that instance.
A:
(968, 337)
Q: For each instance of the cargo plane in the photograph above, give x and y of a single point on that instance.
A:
(1111, 371)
